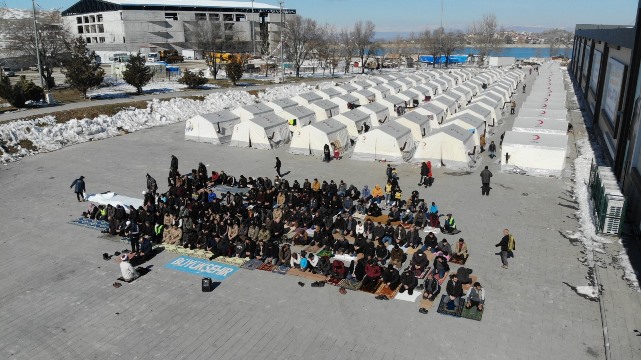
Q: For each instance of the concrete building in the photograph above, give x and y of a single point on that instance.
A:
(132, 25)
(605, 66)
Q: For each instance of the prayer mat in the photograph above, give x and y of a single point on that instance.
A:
(90, 223)
(252, 264)
(325, 252)
(280, 270)
(434, 230)
(458, 262)
(383, 289)
(378, 219)
(371, 290)
(405, 296)
(266, 267)
(441, 281)
(234, 261)
(312, 249)
(474, 279)
(425, 303)
(410, 250)
(445, 310)
(295, 272)
(333, 281)
(422, 275)
(350, 284)
(472, 313)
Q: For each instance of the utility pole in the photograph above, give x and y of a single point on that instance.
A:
(282, 37)
(440, 36)
(35, 33)
(251, 23)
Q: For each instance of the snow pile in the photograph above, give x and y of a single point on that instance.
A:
(45, 134)
(622, 261)
(115, 88)
(289, 91)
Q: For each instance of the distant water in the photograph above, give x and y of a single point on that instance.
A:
(517, 52)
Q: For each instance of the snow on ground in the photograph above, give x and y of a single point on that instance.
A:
(115, 88)
(47, 135)
(288, 91)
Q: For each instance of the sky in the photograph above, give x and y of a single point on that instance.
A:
(415, 15)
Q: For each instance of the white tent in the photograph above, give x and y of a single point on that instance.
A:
(545, 126)
(250, 111)
(397, 86)
(355, 121)
(490, 104)
(458, 78)
(502, 91)
(500, 98)
(344, 102)
(364, 96)
(447, 102)
(408, 82)
(464, 92)
(348, 88)
(213, 128)
(281, 104)
(417, 123)
(328, 93)
(416, 79)
(411, 97)
(442, 83)
(298, 116)
(438, 113)
(482, 112)
(311, 139)
(324, 109)
(436, 87)
(547, 99)
(262, 132)
(380, 91)
(450, 80)
(470, 123)
(544, 114)
(537, 154)
(391, 142)
(379, 113)
(391, 101)
(556, 105)
(306, 98)
(363, 84)
(450, 146)
(471, 87)
(457, 97)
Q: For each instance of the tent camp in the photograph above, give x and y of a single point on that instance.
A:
(355, 121)
(449, 146)
(544, 114)
(447, 102)
(379, 113)
(537, 154)
(213, 128)
(298, 116)
(482, 112)
(408, 82)
(381, 91)
(306, 98)
(471, 123)
(544, 126)
(464, 92)
(444, 85)
(549, 105)
(471, 87)
(438, 113)
(344, 102)
(390, 142)
(436, 87)
(324, 109)
(281, 104)
(417, 123)
(250, 111)
(311, 139)
(364, 96)
(263, 132)
(412, 98)
(347, 88)
(490, 104)
(391, 101)
(328, 93)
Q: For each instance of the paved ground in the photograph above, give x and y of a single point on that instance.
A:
(58, 302)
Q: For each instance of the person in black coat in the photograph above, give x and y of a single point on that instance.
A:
(79, 188)
(391, 277)
(454, 289)
(152, 186)
(408, 282)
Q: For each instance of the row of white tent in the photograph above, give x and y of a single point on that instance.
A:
(537, 144)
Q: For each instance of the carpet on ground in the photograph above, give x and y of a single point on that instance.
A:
(383, 289)
(426, 303)
(266, 267)
(350, 284)
(472, 313)
(90, 223)
(333, 281)
(280, 270)
(252, 264)
(370, 290)
(446, 307)
(205, 268)
(405, 296)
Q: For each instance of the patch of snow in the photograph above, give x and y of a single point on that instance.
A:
(285, 91)
(622, 261)
(588, 291)
(113, 88)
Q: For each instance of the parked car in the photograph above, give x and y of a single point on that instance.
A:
(8, 72)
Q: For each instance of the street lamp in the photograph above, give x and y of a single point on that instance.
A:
(282, 37)
(35, 33)
(251, 23)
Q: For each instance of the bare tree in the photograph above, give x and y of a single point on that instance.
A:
(210, 38)
(328, 48)
(484, 35)
(301, 37)
(52, 36)
(363, 35)
(452, 42)
(347, 47)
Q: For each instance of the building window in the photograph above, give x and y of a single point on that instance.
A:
(79, 20)
(101, 28)
(241, 17)
(88, 40)
(87, 29)
(80, 30)
(86, 19)
(93, 28)
(94, 40)
(92, 18)
(214, 17)
(123, 40)
(101, 40)
(171, 16)
(99, 18)
(229, 27)
(201, 16)
(228, 17)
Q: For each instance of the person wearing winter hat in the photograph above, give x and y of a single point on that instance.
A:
(128, 272)
(79, 188)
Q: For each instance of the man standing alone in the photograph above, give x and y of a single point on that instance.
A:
(79, 189)
(486, 174)
(507, 245)
(277, 167)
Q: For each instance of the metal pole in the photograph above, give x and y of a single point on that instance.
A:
(282, 37)
(35, 32)
(440, 36)
(251, 23)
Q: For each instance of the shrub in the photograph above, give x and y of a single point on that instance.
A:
(193, 80)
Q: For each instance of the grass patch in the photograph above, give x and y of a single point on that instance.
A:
(27, 145)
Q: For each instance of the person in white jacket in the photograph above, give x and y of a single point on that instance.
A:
(128, 272)
(475, 297)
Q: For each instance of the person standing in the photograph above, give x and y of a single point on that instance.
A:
(482, 142)
(486, 174)
(326, 153)
(174, 163)
(524, 85)
(424, 172)
(512, 107)
(277, 167)
(79, 189)
(152, 186)
(507, 245)
(492, 149)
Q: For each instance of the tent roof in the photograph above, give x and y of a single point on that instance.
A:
(479, 109)
(540, 140)
(220, 116)
(395, 130)
(381, 88)
(363, 84)
(310, 96)
(326, 104)
(284, 103)
(329, 126)
(415, 118)
(468, 118)
(348, 87)
(268, 121)
(300, 111)
(394, 99)
(409, 94)
(376, 107)
(259, 108)
(432, 108)
(356, 115)
(455, 132)
(348, 98)
(331, 91)
(365, 93)
(488, 101)
(445, 100)
(534, 123)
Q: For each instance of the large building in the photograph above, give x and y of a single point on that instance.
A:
(132, 25)
(605, 66)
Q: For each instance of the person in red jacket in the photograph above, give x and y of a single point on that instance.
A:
(373, 274)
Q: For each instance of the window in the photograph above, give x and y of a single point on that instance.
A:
(86, 19)
(101, 28)
(214, 17)
(79, 20)
(94, 40)
(241, 17)
(229, 27)
(228, 17)
(93, 28)
(92, 18)
(101, 40)
(123, 40)
(99, 18)
(171, 16)
(80, 30)
(87, 29)
(88, 40)
(201, 16)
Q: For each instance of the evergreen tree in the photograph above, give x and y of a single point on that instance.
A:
(81, 70)
(193, 80)
(235, 69)
(20, 92)
(136, 73)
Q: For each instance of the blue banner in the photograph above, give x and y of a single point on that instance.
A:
(211, 269)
